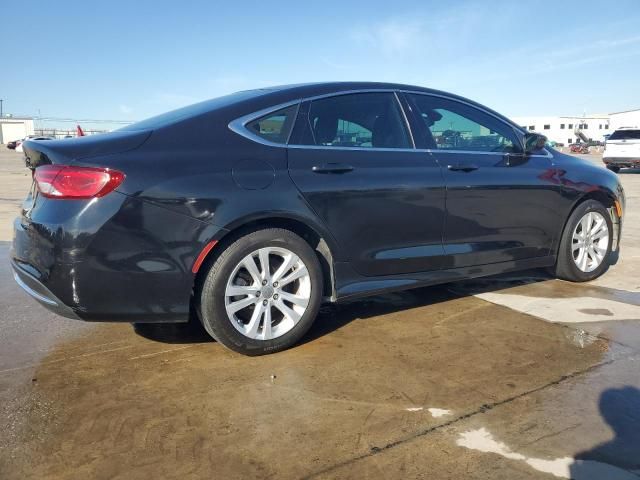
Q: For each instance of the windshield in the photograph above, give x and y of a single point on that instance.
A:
(625, 135)
(193, 110)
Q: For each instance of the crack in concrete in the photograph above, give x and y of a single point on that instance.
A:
(482, 409)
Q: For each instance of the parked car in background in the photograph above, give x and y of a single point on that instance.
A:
(299, 195)
(579, 148)
(19, 148)
(622, 149)
(13, 144)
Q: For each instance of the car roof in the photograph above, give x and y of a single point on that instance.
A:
(303, 90)
(249, 101)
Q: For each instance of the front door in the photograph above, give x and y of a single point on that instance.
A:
(499, 205)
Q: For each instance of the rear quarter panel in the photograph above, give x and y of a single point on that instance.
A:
(201, 169)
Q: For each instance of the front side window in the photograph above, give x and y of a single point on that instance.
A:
(276, 126)
(358, 120)
(452, 125)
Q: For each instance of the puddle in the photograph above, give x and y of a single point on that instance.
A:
(435, 412)
(565, 467)
(596, 311)
(544, 287)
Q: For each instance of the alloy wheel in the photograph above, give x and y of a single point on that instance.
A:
(590, 241)
(267, 293)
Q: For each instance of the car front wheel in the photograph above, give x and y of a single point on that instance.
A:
(585, 248)
(262, 293)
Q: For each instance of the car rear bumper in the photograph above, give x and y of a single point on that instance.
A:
(40, 293)
(118, 259)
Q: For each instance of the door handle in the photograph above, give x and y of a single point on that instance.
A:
(332, 168)
(462, 168)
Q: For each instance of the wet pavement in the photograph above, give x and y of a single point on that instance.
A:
(513, 377)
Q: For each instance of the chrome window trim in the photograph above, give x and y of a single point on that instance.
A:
(349, 92)
(352, 149)
(239, 125)
(474, 152)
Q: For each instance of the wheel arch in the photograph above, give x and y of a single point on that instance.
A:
(601, 195)
(321, 242)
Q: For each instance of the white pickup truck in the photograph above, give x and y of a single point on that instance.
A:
(622, 149)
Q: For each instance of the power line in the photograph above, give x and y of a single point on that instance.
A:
(82, 120)
(75, 120)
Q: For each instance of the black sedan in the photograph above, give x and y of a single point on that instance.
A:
(250, 210)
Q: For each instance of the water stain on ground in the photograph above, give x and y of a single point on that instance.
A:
(596, 311)
(538, 285)
(166, 402)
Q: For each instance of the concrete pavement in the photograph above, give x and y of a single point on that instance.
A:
(514, 377)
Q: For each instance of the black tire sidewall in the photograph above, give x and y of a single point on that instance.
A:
(567, 267)
(214, 315)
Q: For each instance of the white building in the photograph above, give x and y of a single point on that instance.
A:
(13, 128)
(628, 118)
(566, 130)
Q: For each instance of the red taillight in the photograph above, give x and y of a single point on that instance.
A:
(63, 181)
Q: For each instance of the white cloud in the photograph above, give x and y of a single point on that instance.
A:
(391, 37)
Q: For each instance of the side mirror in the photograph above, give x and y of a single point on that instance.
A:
(533, 142)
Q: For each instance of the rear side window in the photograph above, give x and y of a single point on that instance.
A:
(452, 125)
(358, 120)
(276, 126)
(625, 135)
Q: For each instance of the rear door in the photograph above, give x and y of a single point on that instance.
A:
(353, 159)
(499, 205)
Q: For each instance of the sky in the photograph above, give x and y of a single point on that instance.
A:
(126, 61)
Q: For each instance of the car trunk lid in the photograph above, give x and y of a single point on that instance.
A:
(66, 151)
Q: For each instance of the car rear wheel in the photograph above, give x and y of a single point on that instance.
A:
(613, 168)
(262, 293)
(585, 248)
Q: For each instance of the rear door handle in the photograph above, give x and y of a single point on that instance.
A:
(462, 168)
(332, 168)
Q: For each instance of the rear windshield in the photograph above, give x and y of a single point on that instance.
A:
(193, 110)
(625, 135)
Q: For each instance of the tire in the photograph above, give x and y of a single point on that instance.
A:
(567, 264)
(613, 168)
(245, 330)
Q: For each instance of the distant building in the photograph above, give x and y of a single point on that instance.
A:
(14, 128)
(628, 118)
(567, 130)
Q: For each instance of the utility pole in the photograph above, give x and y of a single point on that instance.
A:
(1, 100)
